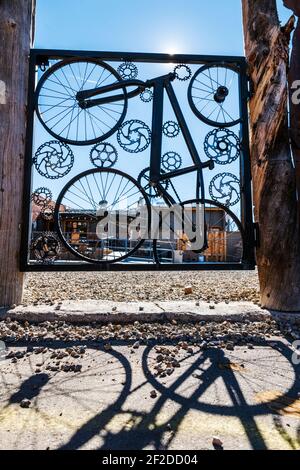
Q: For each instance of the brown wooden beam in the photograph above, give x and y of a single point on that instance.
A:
(16, 35)
(274, 179)
(294, 75)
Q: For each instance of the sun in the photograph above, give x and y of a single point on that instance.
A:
(172, 50)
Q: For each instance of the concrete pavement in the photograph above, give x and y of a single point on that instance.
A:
(249, 398)
(99, 311)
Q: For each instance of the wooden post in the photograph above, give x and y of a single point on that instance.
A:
(294, 75)
(274, 176)
(16, 35)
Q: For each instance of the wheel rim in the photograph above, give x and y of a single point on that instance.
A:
(59, 111)
(113, 212)
(223, 232)
(214, 95)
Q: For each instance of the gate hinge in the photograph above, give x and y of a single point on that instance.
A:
(42, 61)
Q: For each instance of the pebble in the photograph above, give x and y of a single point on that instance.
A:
(188, 290)
(153, 394)
(142, 286)
(217, 443)
(176, 364)
(203, 335)
(52, 368)
(25, 403)
(15, 355)
(39, 350)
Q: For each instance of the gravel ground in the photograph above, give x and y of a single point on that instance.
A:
(164, 379)
(43, 288)
(151, 386)
(224, 335)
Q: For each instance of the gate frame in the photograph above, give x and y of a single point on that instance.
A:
(40, 57)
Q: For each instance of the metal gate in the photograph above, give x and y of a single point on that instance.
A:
(137, 162)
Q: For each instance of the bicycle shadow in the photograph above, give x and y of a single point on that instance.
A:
(100, 421)
(38, 388)
(143, 430)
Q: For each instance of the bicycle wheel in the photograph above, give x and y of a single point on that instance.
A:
(58, 109)
(212, 223)
(214, 95)
(102, 216)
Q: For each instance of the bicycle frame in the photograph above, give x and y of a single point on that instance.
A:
(159, 85)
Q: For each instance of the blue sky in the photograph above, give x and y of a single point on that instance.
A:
(192, 26)
(171, 26)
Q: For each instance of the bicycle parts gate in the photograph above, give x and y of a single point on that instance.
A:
(129, 172)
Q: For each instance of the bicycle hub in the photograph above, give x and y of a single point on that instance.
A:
(221, 94)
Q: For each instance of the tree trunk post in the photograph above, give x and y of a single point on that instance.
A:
(274, 176)
(16, 35)
(294, 76)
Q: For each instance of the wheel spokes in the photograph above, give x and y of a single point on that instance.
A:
(215, 95)
(70, 122)
(106, 208)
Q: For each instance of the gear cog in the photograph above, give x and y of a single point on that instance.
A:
(171, 161)
(183, 72)
(144, 181)
(46, 248)
(104, 155)
(171, 129)
(41, 196)
(146, 95)
(128, 71)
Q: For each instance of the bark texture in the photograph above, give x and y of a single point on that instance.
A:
(294, 75)
(274, 176)
(16, 31)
